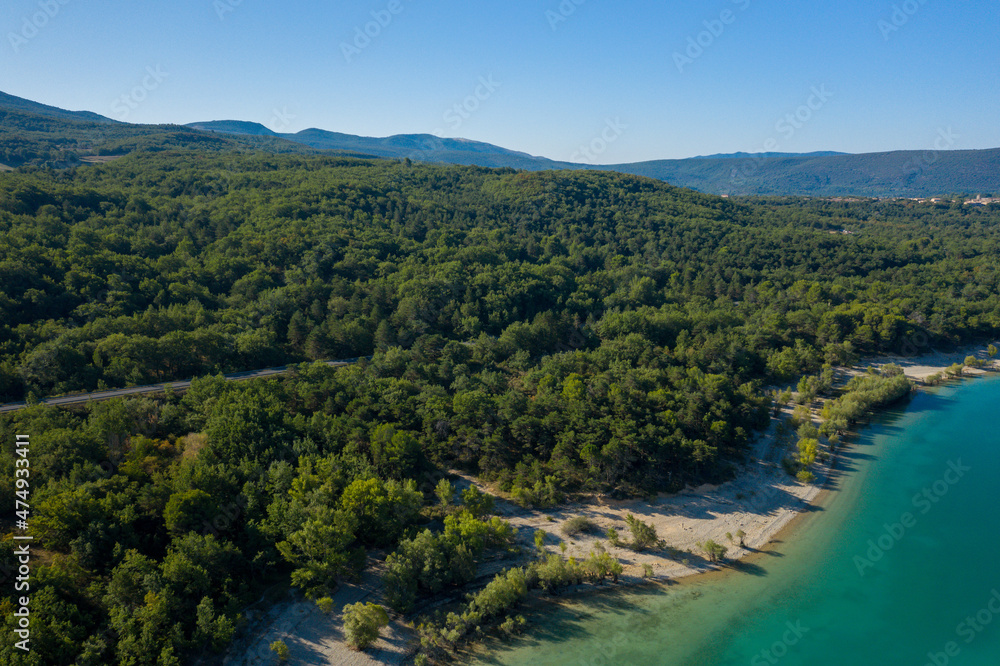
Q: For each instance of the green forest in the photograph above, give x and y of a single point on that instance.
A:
(552, 333)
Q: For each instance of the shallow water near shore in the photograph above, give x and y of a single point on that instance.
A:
(898, 566)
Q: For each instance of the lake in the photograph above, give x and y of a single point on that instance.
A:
(897, 566)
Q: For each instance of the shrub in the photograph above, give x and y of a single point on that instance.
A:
(362, 623)
(445, 492)
(643, 535)
(714, 550)
(280, 650)
(600, 565)
(543, 494)
(808, 448)
(540, 540)
(554, 571)
(514, 625)
(477, 502)
(577, 524)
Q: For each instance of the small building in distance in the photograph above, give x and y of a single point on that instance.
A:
(982, 201)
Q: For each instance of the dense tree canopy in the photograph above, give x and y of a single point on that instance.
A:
(549, 332)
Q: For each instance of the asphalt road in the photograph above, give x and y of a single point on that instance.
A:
(178, 386)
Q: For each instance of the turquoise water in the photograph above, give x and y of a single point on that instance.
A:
(900, 566)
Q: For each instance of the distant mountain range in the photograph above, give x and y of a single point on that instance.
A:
(12, 103)
(421, 147)
(34, 133)
(733, 156)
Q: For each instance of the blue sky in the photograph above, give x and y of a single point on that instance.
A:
(624, 81)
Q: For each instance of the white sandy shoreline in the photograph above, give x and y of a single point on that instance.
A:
(762, 500)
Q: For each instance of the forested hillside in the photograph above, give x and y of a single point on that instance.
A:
(901, 173)
(189, 263)
(30, 138)
(553, 332)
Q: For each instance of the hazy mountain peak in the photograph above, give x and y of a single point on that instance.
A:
(233, 127)
(14, 103)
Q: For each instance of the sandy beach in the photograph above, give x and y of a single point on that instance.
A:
(761, 500)
(919, 368)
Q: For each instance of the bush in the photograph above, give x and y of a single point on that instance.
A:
(540, 540)
(514, 625)
(714, 550)
(600, 565)
(578, 524)
(543, 495)
(808, 448)
(280, 650)
(362, 623)
(445, 492)
(643, 535)
(477, 502)
(554, 571)
(801, 415)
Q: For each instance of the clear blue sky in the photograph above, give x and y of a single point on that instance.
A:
(556, 84)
